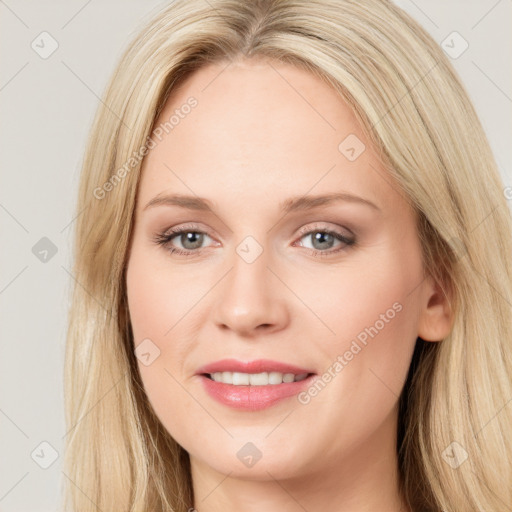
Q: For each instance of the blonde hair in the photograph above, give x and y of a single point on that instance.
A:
(416, 112)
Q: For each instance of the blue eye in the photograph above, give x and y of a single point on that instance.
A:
(322, 240)
(192, 239)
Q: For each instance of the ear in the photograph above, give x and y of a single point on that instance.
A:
(436, 314)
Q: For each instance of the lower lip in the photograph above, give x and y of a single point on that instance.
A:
(253, 398)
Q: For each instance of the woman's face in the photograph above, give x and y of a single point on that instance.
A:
(298, 256)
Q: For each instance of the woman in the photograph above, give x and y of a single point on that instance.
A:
(287, 298)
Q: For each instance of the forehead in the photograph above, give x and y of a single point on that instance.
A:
(262, 131)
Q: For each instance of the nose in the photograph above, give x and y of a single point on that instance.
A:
(251, 299)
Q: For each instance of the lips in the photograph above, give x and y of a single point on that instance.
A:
(253, 385)
(257, 366)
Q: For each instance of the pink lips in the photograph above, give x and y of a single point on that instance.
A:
(257, 366)
(252, 398)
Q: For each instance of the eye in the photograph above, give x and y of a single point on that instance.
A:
(322, 240)
(190, 238)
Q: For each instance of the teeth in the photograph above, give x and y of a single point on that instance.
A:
(226, 377)
(256, 379)
(240, 379)
(275, 378)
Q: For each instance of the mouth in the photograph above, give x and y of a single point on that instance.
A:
(256, 379)
(253, 385)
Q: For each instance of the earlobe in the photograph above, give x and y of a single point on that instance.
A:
(436, 316)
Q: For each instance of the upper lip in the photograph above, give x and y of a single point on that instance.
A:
(255, 366)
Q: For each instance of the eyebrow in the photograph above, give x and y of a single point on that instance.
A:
(292, 204)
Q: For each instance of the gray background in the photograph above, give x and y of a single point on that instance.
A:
(47, 106)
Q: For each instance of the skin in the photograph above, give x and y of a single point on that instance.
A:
(262, 132)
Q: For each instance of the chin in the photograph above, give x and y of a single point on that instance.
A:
(259, 460)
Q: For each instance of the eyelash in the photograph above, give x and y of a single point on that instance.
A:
(165, 238)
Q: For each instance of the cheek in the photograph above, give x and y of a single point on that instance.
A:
(161, 302)
(372, 316)
(159, 296)
(357, 300)
(365, 363)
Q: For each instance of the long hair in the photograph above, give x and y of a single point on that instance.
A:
(454, 442)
